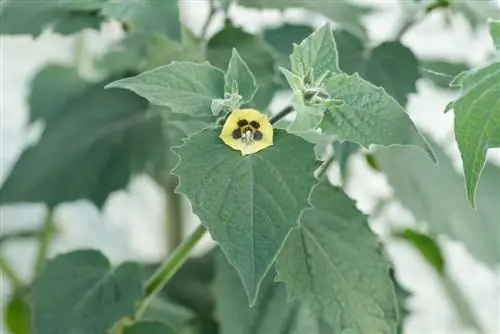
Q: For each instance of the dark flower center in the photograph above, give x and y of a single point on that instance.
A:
(247, 132)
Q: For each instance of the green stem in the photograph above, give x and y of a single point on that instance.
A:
(173, 216)
(165, 272)
(280, 115)
(325, 167)
(10, 274)
(79, 53)
(211, 14)
(46, 233)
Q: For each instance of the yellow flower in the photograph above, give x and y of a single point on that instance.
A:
(247, 130)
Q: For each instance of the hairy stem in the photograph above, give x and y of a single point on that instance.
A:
(10, 274)
(45, 238)
(165, 272)
(174, 218)
(276, 118)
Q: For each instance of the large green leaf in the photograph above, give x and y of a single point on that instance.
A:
(283, 37)
(254, 51)
(148, 327)
(150, 16)
(272, 312)
(25, 17)
(495, 33)
(248, 203)
(477, 120)
(333, 263)
(347, 14)
(351, 52)
(93, 142)
(394, 67)
(369, 115)
(239, 75)
(434, 194)
(79, 292)
(182, 86)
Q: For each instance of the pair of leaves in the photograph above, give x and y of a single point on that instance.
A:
(93, 142)
(21, 17)
(477, 117)
(69, 17)
(421, 187)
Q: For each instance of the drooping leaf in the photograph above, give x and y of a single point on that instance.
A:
(495, 33)
(369, 115)
(283, 37)
(24, 17)
(394, 67)
(272, 312)
(421, 187)
(256, 53)
(442, 72)
(343, 152)
(258, 197)
(79, 292)
(18, 315)
(93, 143)
(238, 74)
(150, 16)
(334, 265)
(477, 120)
(148, 327)
(182, 86)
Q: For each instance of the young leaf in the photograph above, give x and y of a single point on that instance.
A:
(79, 292)
(495, 33)
(421, 187)
(148, 327)
(334, 265)
(248, 203)
(394, 67)
(93, 142)
(272, 312)
(318, 53)
(256, 53)
(25, 17)
(18, 315)
(369, 115)
(477, 120)
(240, 75)
(149, 16)
(182, 86)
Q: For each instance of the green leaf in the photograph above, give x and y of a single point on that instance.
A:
(149, 16)
(351, 52)
(182, 86)
(238, 74)
(256, 53)
(248, 203)
(333, 263)
(283, 37)
(92, 145)
(401, 296)
(477, 12)
(477, 120)
(421, 186)
(148, 327)
(347, 14)
(24, 17)
(272, 312)
(79, 292)
(369, 115)
(18, 315)
(426, 246)
(442, 72)
(50, 90)
(317, 53)
(495, 33)
(394, 67)
(343, 152)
